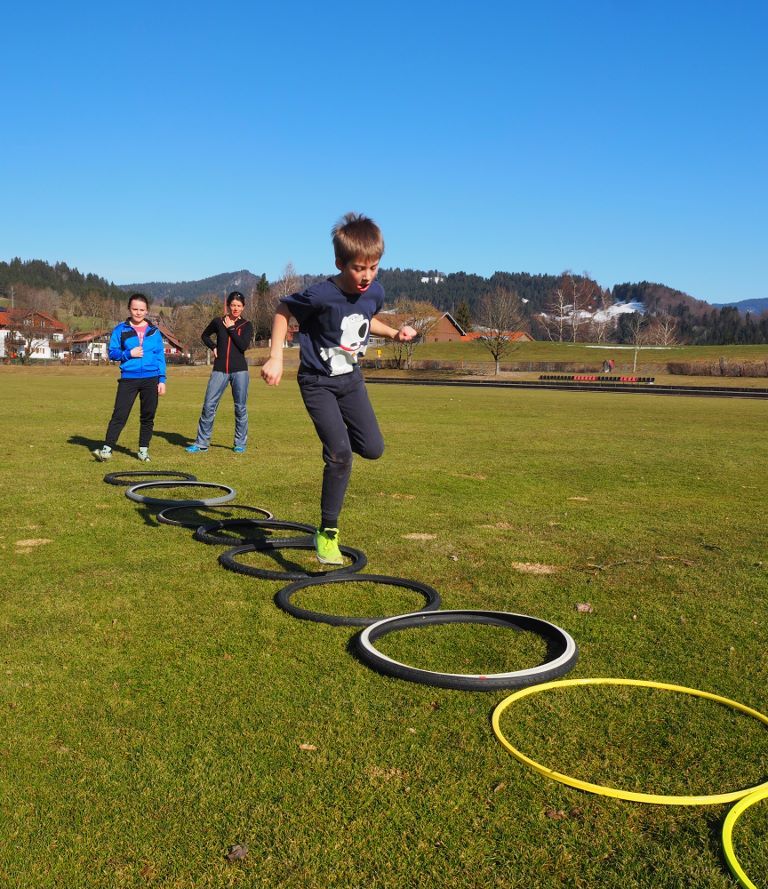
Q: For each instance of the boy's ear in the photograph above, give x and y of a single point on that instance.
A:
(339, 265)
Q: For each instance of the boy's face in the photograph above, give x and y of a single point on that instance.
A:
(235, 309)
(138, 310)
(357, 275)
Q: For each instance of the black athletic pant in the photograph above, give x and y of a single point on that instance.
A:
(127, 390)
(345, 421)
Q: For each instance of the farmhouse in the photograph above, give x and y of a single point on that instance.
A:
(36, 335)
(442, 329)
(514, 336)
(90, 346)
(436, 329)
(172, 347)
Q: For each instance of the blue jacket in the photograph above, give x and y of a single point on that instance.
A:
(151, 364)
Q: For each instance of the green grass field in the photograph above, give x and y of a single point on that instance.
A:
(155, 708)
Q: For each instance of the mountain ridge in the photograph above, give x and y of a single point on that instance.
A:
(753, 306)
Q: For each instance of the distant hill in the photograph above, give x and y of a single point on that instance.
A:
(755, 307)
(659, 299)
(184, 292)
(37, 274)
(69, 294)
(445, 292)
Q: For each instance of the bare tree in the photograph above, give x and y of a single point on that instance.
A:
(92, 302)
(636, 334)
(499, 316)
(188, 322)
(555, 320)
(570, 307)
(663, 331)
(23, 341)
(36, 299)
(421, 316)
(289, 282)
(603, 324)
(583, 293)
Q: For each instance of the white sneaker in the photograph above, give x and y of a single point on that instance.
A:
(143, 455)
(102, 454)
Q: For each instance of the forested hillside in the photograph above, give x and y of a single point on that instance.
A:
(60, 278)
(446, 292)
(185, 292)
(575, 303)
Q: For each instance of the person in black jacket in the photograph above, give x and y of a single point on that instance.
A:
(227, 338)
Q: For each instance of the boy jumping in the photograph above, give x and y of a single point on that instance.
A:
(335, 320)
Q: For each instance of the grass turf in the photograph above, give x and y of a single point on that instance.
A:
(153, 706)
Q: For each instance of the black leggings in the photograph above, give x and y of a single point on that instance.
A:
(346, 424)
(127, 390)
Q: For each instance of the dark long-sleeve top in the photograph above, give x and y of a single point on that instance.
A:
(230, 344)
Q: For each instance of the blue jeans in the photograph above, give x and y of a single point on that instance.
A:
(216, 387)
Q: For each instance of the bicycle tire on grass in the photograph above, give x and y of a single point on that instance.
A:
(116, 478)
(229, 560)
(562, 653)
(283, 597)
(164, 516)
(206, 533)
(134, 494)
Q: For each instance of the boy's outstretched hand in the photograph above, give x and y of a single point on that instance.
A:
(272, 371)
(406, 334)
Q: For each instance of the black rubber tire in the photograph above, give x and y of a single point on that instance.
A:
(229, 560)
(164, 515)
(206, 533)
(562, 653)
(133, 494)
(283, 597)
(116, 478)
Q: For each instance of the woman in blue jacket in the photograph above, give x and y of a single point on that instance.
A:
(138, 346)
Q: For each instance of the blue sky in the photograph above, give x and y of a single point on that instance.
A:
(173, 141)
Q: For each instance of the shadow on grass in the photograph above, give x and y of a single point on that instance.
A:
(148, 514)
(270, 547)
(183, 441)
(173, 438)
(92, 443)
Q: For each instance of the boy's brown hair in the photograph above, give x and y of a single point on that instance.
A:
(357, 237)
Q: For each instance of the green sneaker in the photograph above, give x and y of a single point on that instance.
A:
(143, 455)
(327, 546)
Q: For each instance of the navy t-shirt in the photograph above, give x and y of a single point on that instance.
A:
(333, 325)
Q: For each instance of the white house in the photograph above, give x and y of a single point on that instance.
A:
(34, 334)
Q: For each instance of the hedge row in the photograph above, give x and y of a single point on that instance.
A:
(719, 368)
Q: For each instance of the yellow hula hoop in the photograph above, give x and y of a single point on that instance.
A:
(601, 790)
(731, 818)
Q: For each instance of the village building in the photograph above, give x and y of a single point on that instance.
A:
(32, 334)
(90, 346)
(36, 335)
(442, 328)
